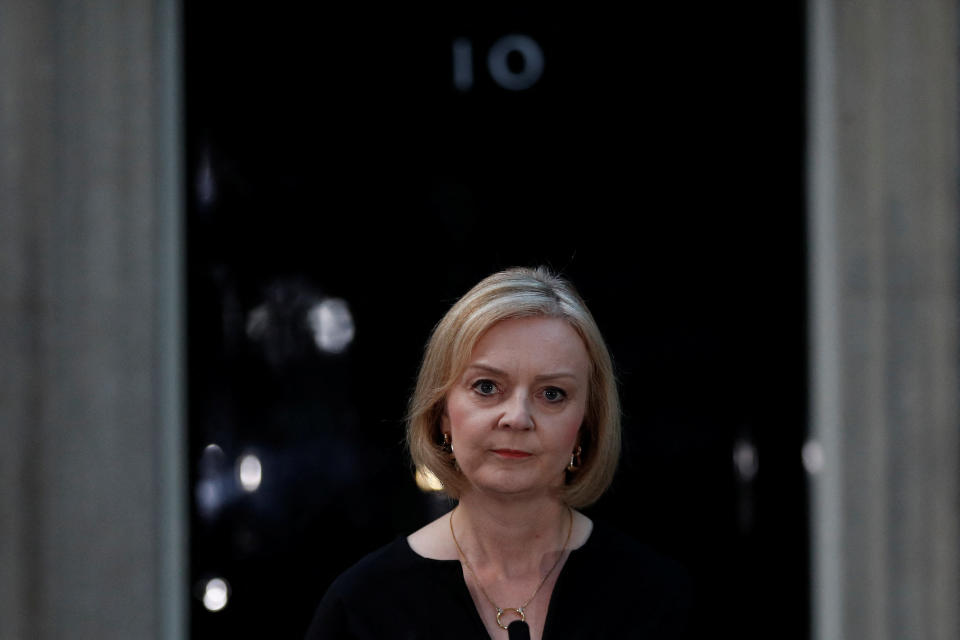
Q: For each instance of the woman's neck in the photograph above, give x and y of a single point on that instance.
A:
(510, 537)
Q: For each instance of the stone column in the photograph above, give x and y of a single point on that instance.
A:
(92, 515)
(883, 169)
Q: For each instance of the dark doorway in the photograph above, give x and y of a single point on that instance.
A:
(383, 161)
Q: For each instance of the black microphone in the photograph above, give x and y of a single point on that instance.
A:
(518, 630)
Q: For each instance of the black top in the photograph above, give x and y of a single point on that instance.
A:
(611, 587)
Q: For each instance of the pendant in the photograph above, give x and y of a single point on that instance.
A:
(519, 611)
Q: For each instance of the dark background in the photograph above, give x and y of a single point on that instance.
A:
(657, 163)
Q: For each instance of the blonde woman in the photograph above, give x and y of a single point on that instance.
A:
(516, 413)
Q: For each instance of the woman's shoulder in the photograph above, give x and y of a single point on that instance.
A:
(615, 570)
(376, 569)
(360, 597)
(622, 558)
(387, 594)
(433, 540)
(609, 540)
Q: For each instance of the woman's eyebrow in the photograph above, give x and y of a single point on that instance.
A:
(485, 367)
(554, 376)
(480, 366)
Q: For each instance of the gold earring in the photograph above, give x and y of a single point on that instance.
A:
(447, 444)
(575, 460)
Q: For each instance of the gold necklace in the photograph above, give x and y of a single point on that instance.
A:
(518, 610)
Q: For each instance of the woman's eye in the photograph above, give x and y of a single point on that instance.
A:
(485, 387)
(553, 394)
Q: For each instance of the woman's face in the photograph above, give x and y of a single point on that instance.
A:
(514, 414)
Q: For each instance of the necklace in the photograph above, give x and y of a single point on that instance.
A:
(518, 610)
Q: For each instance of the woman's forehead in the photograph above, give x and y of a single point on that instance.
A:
(539, 342)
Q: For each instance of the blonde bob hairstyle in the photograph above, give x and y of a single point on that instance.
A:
(515, 293)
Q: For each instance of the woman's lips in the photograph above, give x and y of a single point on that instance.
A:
(512, 453)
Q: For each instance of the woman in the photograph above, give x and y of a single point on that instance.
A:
(516, 413)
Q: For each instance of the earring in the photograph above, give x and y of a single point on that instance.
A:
(575, 460)
(447, 444)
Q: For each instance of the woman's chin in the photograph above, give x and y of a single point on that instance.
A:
(514, 486)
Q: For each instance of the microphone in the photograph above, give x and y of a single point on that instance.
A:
(518, 630)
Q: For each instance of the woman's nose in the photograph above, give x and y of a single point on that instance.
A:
(517, 414)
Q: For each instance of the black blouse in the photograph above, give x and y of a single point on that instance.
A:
(611, 587)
